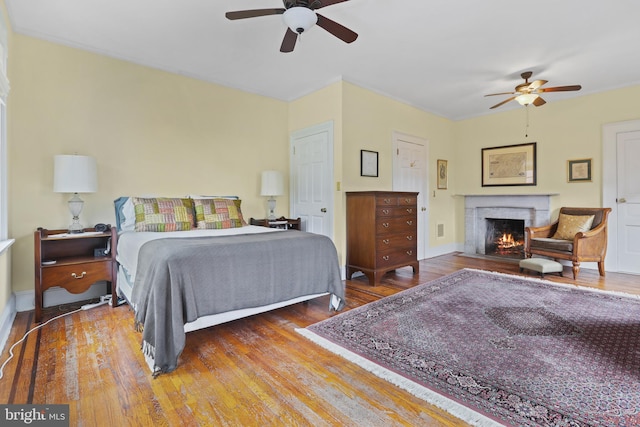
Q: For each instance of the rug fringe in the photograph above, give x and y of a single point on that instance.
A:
(456, 409)
(548, 282)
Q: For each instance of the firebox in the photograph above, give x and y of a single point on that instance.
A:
(504, 237)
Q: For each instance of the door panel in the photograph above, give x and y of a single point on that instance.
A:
(410, 174)
(628, 201)
(311, 178)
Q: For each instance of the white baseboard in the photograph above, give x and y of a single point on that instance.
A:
(25, 300)
(6, 321)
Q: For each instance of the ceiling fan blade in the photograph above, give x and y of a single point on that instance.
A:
(503, 102)
(561, 88)
(539, 101)
(341, 32)
(289, 41)
(502, 93)
(242, 14)
(325, 3)
(536, 84)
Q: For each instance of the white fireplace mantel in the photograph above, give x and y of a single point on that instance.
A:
(534, 209)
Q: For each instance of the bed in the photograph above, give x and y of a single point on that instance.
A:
(190, 263)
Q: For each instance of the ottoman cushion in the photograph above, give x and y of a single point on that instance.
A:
(541, 265)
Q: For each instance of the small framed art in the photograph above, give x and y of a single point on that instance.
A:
(368, 163)
(443, 174)
(579, 170)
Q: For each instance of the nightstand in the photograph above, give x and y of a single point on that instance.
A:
(73, 261)
(282, 222)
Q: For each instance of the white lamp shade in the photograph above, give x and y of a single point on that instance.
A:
(272, 183)
(299, 18)
(527, 98)
(74, 174)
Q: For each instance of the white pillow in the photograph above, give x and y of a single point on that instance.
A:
(129, 213)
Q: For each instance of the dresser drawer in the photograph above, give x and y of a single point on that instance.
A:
(396, 257)
(393, 242)
(76, 278)
(396, 225)
(393, 200)
(388, 211)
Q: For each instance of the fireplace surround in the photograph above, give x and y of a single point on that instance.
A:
(532, 209)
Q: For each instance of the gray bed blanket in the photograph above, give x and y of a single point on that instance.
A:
(181, 279)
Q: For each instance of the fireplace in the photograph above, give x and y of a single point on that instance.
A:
(504, 237)
(530, 210)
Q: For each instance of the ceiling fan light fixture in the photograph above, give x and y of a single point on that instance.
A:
(526, 98)
(299, 18)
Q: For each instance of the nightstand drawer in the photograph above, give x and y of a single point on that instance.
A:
(76, 278)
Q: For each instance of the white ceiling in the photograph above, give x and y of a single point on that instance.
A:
(441, 56)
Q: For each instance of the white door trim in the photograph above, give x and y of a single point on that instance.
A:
(609, 184)
(302, 133)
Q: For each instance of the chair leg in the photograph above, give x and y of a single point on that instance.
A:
(601, 268)
(576, 269)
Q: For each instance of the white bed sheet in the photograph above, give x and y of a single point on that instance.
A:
(130, 242)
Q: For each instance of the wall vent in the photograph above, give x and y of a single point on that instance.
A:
(440, 230)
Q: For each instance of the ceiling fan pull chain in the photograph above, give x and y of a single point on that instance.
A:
(526, 129)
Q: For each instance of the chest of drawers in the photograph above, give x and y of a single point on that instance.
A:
(381, 232)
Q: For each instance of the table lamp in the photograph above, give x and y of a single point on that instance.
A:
(271, 186)
(75, 174)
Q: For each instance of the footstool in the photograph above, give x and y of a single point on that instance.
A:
(541, 265)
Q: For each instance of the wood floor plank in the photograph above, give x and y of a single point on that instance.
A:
(256, 371)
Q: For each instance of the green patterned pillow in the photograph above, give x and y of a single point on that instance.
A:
(218, 213)
(570, 225)
(163, 214)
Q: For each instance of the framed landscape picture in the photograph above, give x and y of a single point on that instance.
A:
(509, 165)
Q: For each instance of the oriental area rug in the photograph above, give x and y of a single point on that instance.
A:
(496, 349)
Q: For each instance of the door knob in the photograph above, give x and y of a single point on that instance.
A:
(622, 200)
(323, 210)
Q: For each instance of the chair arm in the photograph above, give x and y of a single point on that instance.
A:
(544, 231)
(592, 242)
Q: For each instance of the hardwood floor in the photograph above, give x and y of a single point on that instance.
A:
(251, 372)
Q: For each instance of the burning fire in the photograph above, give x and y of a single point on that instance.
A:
(507, 241)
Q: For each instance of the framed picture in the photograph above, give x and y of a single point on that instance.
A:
(579, 170)
(509, 165)
(368, 163)
(443, 173)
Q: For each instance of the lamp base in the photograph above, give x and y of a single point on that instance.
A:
(75, 207)
(271, 203)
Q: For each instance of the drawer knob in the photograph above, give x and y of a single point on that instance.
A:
(409, 237)
(409, 252)
(385, 241)
(409, 210)
(385, 211)
(385, 224)
(407, 201)
(387, 201)
(410, 222)
(386, 257)
(75, 276)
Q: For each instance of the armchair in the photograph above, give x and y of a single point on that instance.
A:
(588, 244)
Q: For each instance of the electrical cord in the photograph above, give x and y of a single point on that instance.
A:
(84, 307)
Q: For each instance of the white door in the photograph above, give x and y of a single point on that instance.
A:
(312, 177)
(410, 174)
(628, 201)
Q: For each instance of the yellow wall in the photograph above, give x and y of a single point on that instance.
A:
(563, 130)
(151, 132)
(369, 122)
